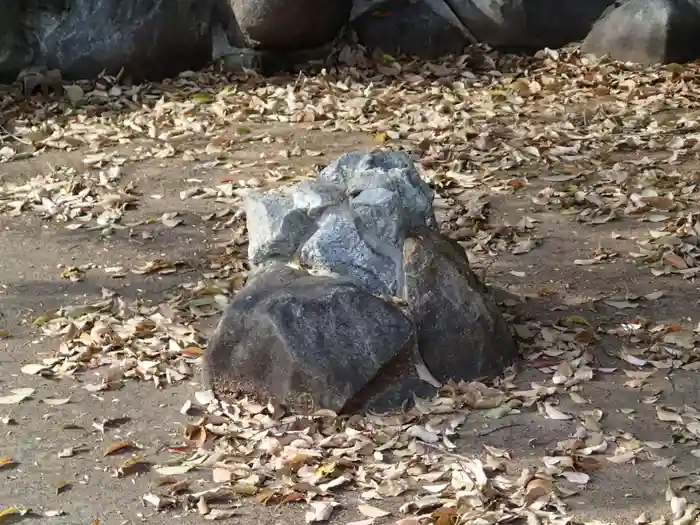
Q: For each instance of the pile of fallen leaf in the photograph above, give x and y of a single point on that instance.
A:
(558, 127)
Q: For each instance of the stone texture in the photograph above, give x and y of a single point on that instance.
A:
(528, 24)
(364, 236)
(15, 51)
(149, 38)
(648, 32)
(424, 28)
(461, 333)
(289, 335)
(430, 28)
(358, 171)
(277, 225)
(289, 25)
(339, 247)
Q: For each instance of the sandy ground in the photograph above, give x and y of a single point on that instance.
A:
(32, 252)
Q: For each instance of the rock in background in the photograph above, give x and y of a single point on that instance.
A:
(149, 38)
(15, 51)
(358, 301)
(431, 28)
(288, 25)
(425, 28)
(648, 32)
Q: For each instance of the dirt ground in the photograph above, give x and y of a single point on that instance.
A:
(546, 282)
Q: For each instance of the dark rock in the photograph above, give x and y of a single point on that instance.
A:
(15, 51)
(148, 38)
(289, 25)
(424, 28)
(340, 248)
(461, 333)
(528, 24)
(648, 32)
(292, 336)
(392, 170)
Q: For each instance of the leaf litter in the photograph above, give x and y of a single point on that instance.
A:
(492, 113)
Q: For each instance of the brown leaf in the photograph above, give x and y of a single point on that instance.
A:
(118, 446)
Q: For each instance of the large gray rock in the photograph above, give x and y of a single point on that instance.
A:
(648, 32)
(301, 338)
(288, 25)
(529, 24)
(15, 51)
(366, 234)
(149, 38)
(429, 28)
(424, 28)
(461, 333)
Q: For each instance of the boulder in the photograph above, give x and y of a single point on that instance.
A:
(423, 28)
(288, 25)
(648, 32)
(15, 51)
(461, 333)
(148, 38)
(305, 339)
(357, 301)
(430, 28)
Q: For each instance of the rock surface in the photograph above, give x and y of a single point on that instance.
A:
(301, 338)
(382, 306)
(431, 28)
(529, 24)
(648, 32)
(15, 52)
(148, 38)
(461, 333)
(289, 25)
(425, 28)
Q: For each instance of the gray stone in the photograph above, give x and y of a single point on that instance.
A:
(289, 25)
(277, 225)
(15, 51)
(648, 32)
(424, 28)
(461, 333)
(378, 213)
(340, 248)
(392, 170)
(148, 38)
(429, 28)
(312, 340)
(315, 197)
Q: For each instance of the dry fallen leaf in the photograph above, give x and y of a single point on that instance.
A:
(18, 395)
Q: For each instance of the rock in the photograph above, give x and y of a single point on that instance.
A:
(385, 307)
(289, 25)
(300, 338)
(424, 28)
(149, 38)
(461, 333)
(277, 225)
(528, 24)
(379, 215)
(339, 247)
(648, 32)
(15, 51)
(358, 171)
